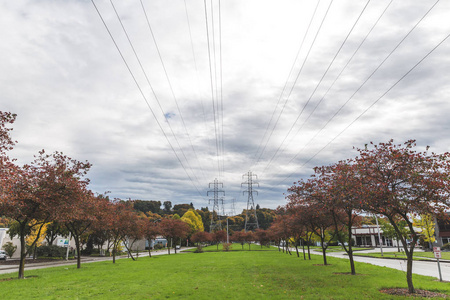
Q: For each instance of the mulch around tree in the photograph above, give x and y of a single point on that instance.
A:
(419, 293)
(348, 273)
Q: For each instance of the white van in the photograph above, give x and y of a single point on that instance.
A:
(3, 254)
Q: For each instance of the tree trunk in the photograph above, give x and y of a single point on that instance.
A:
(114, 253)
(409, 266)
(78, 247)
(324, 253)
(350, 249)
(23, 252)
(296, 249)
(309, 252)
(304, 254)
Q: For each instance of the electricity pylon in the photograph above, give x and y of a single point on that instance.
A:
(251, 219)
(215, 218)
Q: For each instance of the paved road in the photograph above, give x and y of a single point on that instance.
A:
(4, 269)
(419, 267)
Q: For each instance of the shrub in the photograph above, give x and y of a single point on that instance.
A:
(226, 246)
(52, 251)
(158, 246)
(199, 249)
(446, 247)
(9, 249)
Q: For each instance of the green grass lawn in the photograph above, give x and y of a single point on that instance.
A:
(334, 248)
(213, 275)
(417, 255)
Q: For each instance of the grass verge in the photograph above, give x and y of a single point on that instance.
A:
(401, 255)
(218, 275)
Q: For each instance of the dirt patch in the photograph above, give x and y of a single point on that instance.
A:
(9, 279)
(419, 293)
(348, 273)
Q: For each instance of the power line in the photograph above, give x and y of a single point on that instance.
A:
(369, 107)
(256, 158)
(368, 78)
(170, 85)
(156, 98)
(298, 75)
(318, 84)
(143, 96)
(212, 87)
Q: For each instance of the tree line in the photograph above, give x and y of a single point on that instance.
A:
(391, 180)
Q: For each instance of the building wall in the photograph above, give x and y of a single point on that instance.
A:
(4, 238)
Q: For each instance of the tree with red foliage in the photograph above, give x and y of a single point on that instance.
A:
(117, 218)
(240, 237)
(48, 189)
(282, 229)
(83, 216)
(262, 237)
(400, 183)
(201, 237)
(173, 229)
(305, 199)
(336, 188)
(218, 237)
(151, 231)
(134, 230)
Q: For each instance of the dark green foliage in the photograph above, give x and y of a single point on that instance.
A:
(52, 251)
(146, 206)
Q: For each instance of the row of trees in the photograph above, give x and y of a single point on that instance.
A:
(51, 195)
(235, 223)
(390, 180)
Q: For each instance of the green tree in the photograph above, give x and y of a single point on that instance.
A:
(9, 248)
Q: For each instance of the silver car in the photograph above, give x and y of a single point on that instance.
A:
(3, 254)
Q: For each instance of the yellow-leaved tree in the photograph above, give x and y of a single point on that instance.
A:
(427, 225)
(37, 235)
(194, 220)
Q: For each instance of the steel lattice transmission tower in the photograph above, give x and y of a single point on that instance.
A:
(215, 218)
(251, 219)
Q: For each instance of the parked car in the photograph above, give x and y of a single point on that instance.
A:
(3, 254)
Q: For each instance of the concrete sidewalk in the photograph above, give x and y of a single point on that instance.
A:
(427, 268)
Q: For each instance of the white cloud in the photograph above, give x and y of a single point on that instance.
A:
(72, 92)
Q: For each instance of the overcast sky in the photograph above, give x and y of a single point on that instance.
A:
(282, 86)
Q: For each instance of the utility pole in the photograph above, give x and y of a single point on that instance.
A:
(215, 218)
(251, 219)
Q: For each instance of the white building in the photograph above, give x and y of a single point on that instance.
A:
(367, 236)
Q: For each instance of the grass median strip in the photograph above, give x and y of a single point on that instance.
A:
(219, 275)
(401, 255)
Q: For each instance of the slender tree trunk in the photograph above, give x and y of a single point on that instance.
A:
(304, 254)
(23, 252)
(409, 266)
(324, 253)
(309, 252)
(296, 249)
(78, 247)
(350, 249)
(114, 255)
